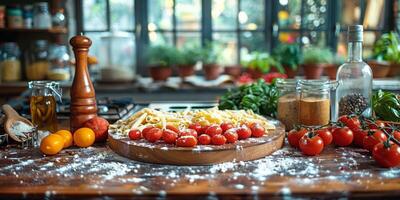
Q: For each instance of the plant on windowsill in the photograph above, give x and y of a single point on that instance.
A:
(188, 57)
(289, 56)
(314, 60)
(386, 56)
(258, 64)
(209, 58)
(331, 70)
(161, 60)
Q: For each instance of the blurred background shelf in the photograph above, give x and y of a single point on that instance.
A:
(33, 31)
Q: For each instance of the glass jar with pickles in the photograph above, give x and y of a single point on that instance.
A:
(43, 104)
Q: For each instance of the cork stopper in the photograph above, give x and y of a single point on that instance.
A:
(355, 33)
(80, 42)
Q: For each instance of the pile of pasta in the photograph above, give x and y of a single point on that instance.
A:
(182, 119)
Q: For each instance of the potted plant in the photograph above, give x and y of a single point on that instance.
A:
(209, 60)
(331, 70)
(161, 59)
(233, 70)
(258, 64)
(288, 55)
(386, 56)
(187, 59)
(314, 60)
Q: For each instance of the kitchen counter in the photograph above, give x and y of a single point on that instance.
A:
(97, 171)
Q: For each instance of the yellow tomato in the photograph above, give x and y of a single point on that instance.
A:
(52, 144)
(67, 137)
(84, 137)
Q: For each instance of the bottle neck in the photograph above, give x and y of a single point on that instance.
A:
(354, 52)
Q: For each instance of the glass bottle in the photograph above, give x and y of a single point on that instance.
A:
(41, 17)
(354, 93)
(288, 102)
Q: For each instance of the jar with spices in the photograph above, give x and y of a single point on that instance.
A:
(60, 69)
(28, 16)
(38, 61)
(14, 17)
(315, 102)
(288, 102)
(10, 64)
(41, 15)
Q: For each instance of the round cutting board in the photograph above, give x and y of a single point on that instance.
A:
(161, 153)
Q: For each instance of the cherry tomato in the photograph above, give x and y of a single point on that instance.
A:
(311, 146)
(169, 136)
(213, 130)
(376, 125)
(396, 135)
(231, 135)
(257, 130)
(197, 127)
(294, 136)
(153, 134)
(243, 132)
(146, 130)
(186, 141)
(189, 132)
(352, 122)
(203, 130)
(135, 134)
(325, 135)
(386, 155)
(373, 138)
(218, 139)
(343, 119)
(172, 128)
(204, 139)
(342, 136)
(359, 136)
(226, 126)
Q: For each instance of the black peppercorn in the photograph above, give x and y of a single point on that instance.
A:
(352, 104)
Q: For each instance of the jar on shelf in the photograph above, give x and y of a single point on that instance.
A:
(38, 64)
(58, 19)
(14, 17)
(41, 16)
(316, 102)
(28, 16)
(288, 102)
(59, 58)
(2, 16)
(10, 64)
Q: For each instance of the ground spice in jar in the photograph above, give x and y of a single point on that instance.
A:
(288, 110)
(314, 111)
(354, 103)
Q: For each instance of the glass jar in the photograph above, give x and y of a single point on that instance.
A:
(58, 19)
(10, 64)
(14, 17)
(43, 104)
(60, 69)
(315, 102)
(2, 16)
(38, 61)
(288, 102)
(41, 16)
(28, 16)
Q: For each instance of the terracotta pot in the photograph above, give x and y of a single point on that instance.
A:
(185, 70)
(330, 71)
(255, 73)
(291, 73)
(380, 69)
(233, 70)
(394, 69)
(160, 73)
(212, 71)
(313, 71)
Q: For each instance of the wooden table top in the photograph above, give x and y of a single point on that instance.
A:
(97, 171)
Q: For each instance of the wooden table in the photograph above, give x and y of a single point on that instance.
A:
(97, 171)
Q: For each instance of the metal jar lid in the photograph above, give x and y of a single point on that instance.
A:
(355, 33)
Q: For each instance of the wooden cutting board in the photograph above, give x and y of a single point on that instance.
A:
(161, 153)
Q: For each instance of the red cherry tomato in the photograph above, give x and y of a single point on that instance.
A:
(169, 136)
(186, 141)
(243, 132)
(153, 134)
(172, 128)
(135, 134)
(359, 136)
(353, 123)
(218, 139)
(396, 135)
(213, 130)
(376, 125)
(189, 132)
(386, 155)
(294, 136)
(257, 130)
(226, 126)
(373, 138)
(197, 127)
(146, 130)
(343, 119)
(311, 146)
(342, 136)
(204, 139)
(325, 135)
(231, 135)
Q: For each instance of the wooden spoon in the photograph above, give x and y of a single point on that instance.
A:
(12, 117)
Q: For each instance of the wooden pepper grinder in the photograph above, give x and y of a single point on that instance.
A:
(83, 98)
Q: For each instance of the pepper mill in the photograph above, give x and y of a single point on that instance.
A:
(83, 99)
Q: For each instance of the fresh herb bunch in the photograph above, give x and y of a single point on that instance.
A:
(208, 54)
(288, 55)
(317, 55)
(263, 62)
(165, 56)
(189, 55)
(386, 106)
(386, 48)
(260, 97)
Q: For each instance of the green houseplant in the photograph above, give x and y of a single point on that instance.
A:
(209, 59)
(386, 56)
(314, 60)
(161, 60)
(188, 57)
(289, 56)
(258, 64)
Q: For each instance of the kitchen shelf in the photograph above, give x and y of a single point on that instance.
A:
(28, 30)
